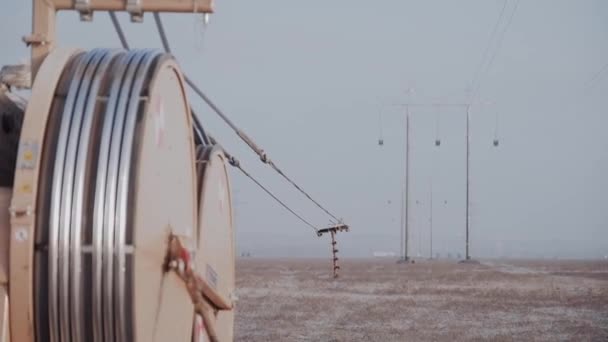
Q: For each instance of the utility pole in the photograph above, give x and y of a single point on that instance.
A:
(405, 232)
(401, 224)
(407, 180)
(467, 106)
(405, 223)
(431, 218)
(467, 254)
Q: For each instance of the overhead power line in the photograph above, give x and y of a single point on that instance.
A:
(235, 163)
(596, 78)
(119, 31)
(202, 136)
(501, 37)
(260, 152)
(484, 57)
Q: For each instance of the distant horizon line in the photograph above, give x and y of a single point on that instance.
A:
(395, 258)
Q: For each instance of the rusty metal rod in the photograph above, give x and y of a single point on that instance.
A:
(178, 253)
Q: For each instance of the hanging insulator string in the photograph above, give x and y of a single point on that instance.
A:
(380, 138)
(437, 118)
(496, 140)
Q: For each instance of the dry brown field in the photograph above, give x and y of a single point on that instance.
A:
(379, 300)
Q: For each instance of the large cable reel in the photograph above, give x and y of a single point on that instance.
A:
(107, 173)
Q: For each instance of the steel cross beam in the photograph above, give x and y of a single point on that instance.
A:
(43, 40)
(431, 104)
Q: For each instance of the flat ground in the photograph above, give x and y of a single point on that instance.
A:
(378, 300)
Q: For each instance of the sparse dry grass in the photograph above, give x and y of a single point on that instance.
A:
(378, 300)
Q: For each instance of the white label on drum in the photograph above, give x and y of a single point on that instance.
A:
(21, 234)
(28, 155)
(189, 232)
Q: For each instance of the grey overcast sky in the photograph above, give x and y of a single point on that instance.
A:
(307, 79)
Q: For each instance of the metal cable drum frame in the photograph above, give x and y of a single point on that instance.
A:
(106, 176)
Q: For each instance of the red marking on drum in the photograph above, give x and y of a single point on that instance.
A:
(185, 256)
(158, 109)
(199, 330)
